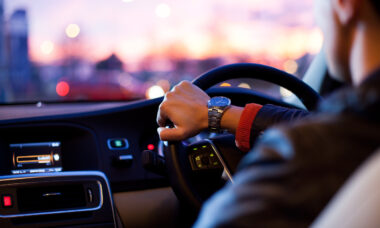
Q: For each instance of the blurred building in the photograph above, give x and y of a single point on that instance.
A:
(111, 63)
(19, 64)
(4, 80)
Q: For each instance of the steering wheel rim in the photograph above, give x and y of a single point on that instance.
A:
(175, 151)
(308, 96)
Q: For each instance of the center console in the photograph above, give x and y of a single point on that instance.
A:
(49, 199)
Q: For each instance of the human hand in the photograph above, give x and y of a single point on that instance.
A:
(186, 107)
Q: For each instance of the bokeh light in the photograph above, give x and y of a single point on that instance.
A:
(163, 10)
(154, 92)
(225, 84)
(72, 30)
(244, 85)
(62, 88)
(47, 47)
(285, 93)
(291, 66)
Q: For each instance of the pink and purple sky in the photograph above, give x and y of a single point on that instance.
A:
(134, 29)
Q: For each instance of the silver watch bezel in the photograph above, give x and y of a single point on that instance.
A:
(215, 112)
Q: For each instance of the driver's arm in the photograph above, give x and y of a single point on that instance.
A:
(186, 107)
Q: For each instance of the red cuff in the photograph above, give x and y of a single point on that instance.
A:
(243, 132)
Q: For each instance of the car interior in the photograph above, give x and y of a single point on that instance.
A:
(85, 159)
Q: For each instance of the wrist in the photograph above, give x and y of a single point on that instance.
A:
(231, 117)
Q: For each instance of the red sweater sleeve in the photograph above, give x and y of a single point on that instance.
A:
(243, 131)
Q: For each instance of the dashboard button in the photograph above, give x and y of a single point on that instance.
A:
(6, 201)
(118, 144)
(123, 160)
(127, 157)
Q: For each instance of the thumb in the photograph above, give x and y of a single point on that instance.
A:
(170, 134)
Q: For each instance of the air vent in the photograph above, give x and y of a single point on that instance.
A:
(46, 198)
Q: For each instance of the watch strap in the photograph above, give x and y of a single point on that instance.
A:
(214, 118)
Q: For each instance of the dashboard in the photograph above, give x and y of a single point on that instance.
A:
(110, 140)
(59, 162)
(96, 148)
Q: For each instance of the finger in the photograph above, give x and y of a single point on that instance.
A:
(170, 134)
(161, 118)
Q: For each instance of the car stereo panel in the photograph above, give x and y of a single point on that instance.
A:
(37, 157)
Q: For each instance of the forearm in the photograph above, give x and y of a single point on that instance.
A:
(231, 118)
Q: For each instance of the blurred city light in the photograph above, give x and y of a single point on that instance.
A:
(154, 92)
(62, 88)
(291, 66)
(72, 30)
(315, 41)
(244, 85)
(191, 38)
(163, 10)
(225, 84)
(47, 47)
(285, 93)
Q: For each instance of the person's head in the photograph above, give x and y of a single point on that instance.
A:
(349, 27)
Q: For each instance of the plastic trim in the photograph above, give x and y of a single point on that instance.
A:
(62, 174)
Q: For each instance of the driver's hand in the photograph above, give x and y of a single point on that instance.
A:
(186, 107)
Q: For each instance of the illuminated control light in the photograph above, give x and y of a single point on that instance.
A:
(55, 144)
(244, 85)
(56, 157)
(47, 47)
(291, 66)
(285, 93)
(7, 201)
(72, 30)
(118, 144)
(163, 10)
(225, 84)
(150, 147)
(154, 92)
(62, 88)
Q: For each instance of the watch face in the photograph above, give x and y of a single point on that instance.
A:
(219, 101)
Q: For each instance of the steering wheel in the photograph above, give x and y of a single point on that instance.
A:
(194, 170)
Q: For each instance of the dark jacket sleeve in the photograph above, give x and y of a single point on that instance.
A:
(291, 174)
(270, 115)
(261, 193)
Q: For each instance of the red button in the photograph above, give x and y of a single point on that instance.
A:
(150, 147)
(7, 201)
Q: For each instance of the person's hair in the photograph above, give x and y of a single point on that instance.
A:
(376, 4)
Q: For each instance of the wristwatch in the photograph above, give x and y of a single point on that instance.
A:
(216, 108)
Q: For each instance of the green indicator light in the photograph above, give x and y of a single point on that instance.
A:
(195, 148)
(212, 155)
(198, 158)
(215, 163)
(118, 143)
(200, 166)
(204, 146)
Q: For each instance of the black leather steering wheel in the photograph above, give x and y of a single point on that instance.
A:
(193, 184)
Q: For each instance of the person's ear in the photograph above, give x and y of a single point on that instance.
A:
(346, 10)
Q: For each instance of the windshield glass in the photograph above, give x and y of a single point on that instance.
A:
(138, 49)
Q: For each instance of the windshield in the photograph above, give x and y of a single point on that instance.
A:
(70, 50)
